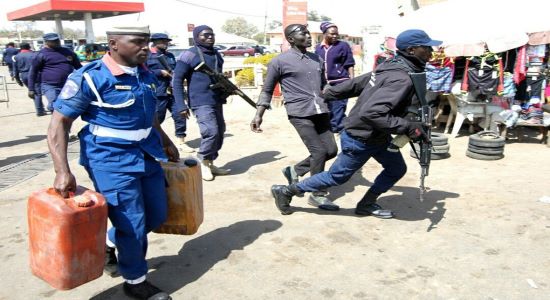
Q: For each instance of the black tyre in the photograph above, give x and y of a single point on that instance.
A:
(439, 139)
(436, 149)
(487, 139)
(486, 150)
(483, 156)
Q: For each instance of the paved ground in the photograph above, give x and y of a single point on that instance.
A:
(481, 232)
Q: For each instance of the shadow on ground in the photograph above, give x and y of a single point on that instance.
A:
(406, 206)
(28, 139)
(198, 255)
(243, 164)
(15, 159)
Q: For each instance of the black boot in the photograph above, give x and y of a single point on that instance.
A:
(145, 291)
(368, 207)
(111, 263)
(283, 195)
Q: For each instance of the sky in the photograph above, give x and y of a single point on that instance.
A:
(172, 16)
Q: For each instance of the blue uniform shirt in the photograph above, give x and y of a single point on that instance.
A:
(198, 83)
(155, 66)
(52, 66)
(115, 87)
(8, 54)
(23, 62)
(338, 58)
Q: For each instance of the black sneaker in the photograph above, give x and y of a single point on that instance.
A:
(374, 210)
(291, 177)
(111, 263)
(145, 291)
(282, 198)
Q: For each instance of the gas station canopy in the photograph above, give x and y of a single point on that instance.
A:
(66, 10)
(74, 10)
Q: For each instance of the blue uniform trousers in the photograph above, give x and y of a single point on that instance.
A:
(212, 127)
(51, 92)
(337, 110)
(38, 105)
(168, 103)
(353, 156)
(137, 204)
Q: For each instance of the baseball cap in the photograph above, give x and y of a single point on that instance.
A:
(414, 37)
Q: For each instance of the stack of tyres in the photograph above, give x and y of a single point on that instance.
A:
(440, 147)
(486, 145)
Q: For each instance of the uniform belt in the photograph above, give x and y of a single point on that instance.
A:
(129, 135)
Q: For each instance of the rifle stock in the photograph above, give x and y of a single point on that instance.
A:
(222, 83)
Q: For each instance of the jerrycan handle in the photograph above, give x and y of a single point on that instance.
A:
(78, 200)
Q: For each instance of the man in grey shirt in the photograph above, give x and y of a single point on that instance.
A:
(300, 74)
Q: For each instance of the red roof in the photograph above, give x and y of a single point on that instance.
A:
(74, 10)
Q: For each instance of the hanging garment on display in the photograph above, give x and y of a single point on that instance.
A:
(484, 74)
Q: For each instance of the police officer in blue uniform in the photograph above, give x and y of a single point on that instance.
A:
(120, 148)
(21, 68)
(205, 102)
(162, 63)
(51, 67)
(8, 55)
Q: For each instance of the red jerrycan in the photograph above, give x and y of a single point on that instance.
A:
(185, 208)
(67, 236)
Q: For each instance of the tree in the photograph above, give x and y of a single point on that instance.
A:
(73, 34)
(259, 37)
(314, 16)
(239, 26)
(274, 24)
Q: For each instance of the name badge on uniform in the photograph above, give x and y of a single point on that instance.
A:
(123, 87)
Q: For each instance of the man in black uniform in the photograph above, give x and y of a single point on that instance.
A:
(21, 68)
(162, 63)
(379, 112)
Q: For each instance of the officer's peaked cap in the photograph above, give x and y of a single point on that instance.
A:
(160, 36)
(52, 36)
(129, 30)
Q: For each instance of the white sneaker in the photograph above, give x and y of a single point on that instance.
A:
(206, 171)
(183, 147)
(218, 171)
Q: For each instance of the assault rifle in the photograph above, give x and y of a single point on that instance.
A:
(164, 63)
(425, 116)
(162, 60)
(222, 84)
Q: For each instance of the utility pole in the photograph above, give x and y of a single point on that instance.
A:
(265, 24)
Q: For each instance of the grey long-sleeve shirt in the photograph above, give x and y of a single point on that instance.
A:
(301, 78)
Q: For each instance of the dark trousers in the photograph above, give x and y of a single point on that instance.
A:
(212, 127)
(137, 205)
(10, 69)
(337, 110)
(354, 155)
(319, 140)
(51, 92)
(38, 105)
(165, 103)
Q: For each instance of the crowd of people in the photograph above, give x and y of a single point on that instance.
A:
(124, 97)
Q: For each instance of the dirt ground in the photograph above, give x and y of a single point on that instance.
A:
(481, 232)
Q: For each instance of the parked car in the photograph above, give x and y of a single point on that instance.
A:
(238, 51)
(220, 47)
(90, 52)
